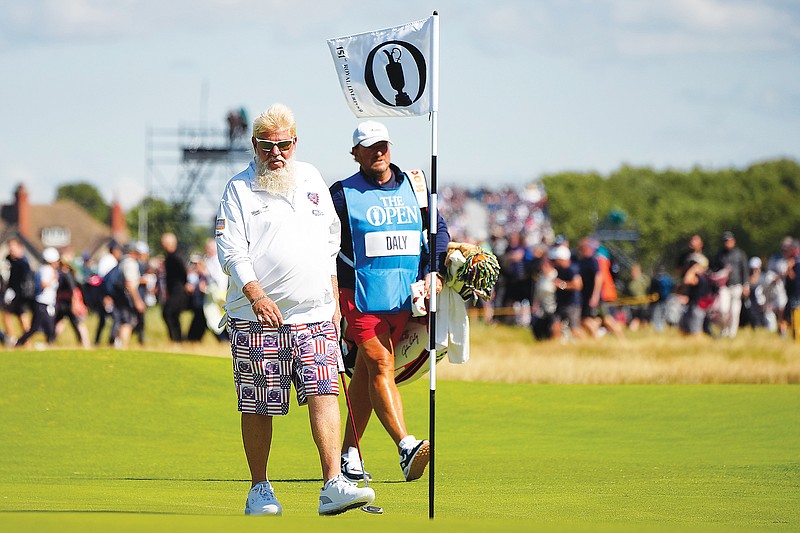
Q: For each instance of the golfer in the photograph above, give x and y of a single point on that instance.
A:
(384, 251)
(277, 235)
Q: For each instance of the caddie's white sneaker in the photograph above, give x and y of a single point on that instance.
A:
(414, 458)
(352, 468)
(339, 495)
(261, 501)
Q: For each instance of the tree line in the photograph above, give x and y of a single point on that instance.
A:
(759, 204)
(162, 216)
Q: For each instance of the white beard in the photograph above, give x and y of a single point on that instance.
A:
(279, 182)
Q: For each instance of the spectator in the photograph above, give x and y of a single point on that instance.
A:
(692, 253)
(70, 304)
(175, 296)
(18, 298)
(594, 313)
(105, 311)
(697, 291)
(215, 291)
(777, 299)
(661, 285)
(516, 273)
(196, 287)
(734, 261)
(608, 292)
(568, 292)
(146, 288)
(793, 289)
(754, 307)
(544, 323)
(692, 256)
(128, 303)
(46, 288)
(638, 288)
(110, 259)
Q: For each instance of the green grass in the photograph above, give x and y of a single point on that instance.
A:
(136, 441)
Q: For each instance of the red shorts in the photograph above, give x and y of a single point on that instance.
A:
(362, 327)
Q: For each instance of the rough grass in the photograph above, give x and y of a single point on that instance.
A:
(504, 353)
(511, 354)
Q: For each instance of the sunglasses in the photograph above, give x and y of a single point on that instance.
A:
(268, 145)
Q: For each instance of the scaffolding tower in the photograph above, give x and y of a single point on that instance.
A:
(188, 167)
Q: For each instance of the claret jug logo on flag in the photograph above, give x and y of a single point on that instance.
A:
(386, 73)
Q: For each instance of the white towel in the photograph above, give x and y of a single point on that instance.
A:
(452, 326)
(452, 322)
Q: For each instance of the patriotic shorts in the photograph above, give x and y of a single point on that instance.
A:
(267, 360)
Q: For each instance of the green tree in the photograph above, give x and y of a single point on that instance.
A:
(163, 217)
(760, 204)
(88, 197)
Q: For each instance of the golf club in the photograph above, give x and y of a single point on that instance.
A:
(372, 509)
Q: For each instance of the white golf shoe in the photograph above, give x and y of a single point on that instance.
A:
(261, 501)
(352, 468)
(414, 457)
(339, 495)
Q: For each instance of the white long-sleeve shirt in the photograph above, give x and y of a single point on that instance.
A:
(288, 245)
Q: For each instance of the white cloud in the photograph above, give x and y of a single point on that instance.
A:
(35, 21)
(602, 29)
(56, 20)
(669, 27)
(704, 15)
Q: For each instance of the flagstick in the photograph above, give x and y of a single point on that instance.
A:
(434, 223)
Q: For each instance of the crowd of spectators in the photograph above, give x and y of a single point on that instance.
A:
(562, 291)
(118, 287)
(558, 290)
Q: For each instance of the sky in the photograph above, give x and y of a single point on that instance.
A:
(527, 88)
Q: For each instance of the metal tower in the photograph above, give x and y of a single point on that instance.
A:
(189, 166)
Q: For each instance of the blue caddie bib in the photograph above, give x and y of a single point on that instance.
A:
(386, 225)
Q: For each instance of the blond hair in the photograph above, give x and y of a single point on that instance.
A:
(277, 117)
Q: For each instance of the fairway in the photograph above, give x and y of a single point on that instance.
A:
(135, 441)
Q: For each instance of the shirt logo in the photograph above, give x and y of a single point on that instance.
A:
(314, 197)
(220, 224)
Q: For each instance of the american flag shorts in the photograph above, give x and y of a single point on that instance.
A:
(267, 360)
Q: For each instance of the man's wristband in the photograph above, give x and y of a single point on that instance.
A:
(258, 300)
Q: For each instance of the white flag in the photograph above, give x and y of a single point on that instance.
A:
(387, 73)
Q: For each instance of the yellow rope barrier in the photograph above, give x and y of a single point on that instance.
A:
(628, 300)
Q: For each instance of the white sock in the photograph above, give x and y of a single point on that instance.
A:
(408, 442)
(350, 450)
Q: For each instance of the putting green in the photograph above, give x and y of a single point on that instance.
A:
(135, 440)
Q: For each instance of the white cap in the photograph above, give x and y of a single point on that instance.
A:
(141, 247)
(560, 252)
(51, 255)
(755, 262)
(370, 132)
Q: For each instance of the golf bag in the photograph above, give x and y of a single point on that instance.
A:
(410, 352)
(472, 273)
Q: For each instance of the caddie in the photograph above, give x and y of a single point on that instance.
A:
(384, 250)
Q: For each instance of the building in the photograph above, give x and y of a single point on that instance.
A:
(62, 224)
